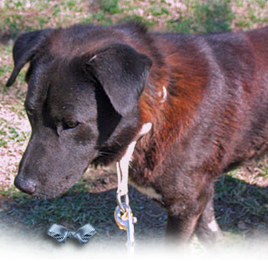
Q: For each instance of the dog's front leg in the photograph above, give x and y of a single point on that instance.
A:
(179, 231)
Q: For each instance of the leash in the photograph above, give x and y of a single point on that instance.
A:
(123, 214)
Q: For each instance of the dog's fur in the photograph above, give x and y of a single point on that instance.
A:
(91, 88)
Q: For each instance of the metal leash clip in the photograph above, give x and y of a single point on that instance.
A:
(125, 221)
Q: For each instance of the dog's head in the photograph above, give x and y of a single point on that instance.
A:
(82, 103)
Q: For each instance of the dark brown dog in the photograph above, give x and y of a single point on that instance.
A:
(91, 88)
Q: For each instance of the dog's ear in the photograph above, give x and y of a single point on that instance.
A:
(24, 49)
(122, 72)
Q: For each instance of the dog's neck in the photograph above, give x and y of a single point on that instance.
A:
(171, 111)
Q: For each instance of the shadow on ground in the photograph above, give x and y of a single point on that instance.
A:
(24, 222)
(240, 209)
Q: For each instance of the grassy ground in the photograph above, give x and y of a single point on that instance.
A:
(241, 198)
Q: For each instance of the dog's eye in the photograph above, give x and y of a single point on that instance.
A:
(70, 124)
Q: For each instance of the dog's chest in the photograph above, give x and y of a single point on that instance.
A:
(147, 191)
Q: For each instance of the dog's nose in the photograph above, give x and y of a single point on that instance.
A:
(26, 186)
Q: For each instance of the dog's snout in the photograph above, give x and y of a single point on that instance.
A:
(24, 185)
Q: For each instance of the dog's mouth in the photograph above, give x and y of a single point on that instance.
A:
(43, 197)
(47, 195)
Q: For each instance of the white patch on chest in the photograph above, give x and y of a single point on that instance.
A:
(213, 226)
(147, 191)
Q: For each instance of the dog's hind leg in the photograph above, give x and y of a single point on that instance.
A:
(207, 229)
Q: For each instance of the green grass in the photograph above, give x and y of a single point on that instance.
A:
(241, 207)
(74, 209)
(189, 16)
(109, 6)
(156, 10)
(208, 17)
